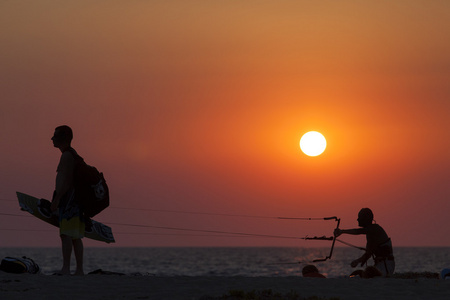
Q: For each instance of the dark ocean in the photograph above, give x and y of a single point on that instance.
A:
(218, 261)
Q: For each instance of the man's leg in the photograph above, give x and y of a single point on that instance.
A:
(78, 250)
(66, 243)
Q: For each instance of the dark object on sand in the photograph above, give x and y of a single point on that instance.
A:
(102, 272)
(19, 265)
(369, 272)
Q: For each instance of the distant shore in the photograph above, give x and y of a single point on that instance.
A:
(27, 286)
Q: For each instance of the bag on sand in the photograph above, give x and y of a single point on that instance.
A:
(19, 265)
(91, 190)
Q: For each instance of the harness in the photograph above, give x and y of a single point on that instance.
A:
(384, 253)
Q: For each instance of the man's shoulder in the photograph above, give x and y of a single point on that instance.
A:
(66, 162)
(70, 152)
(375, 228)
(67, 157)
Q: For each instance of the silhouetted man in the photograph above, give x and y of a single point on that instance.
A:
(378, 246)
(71, 221)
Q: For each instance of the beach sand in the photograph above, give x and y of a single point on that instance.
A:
(28, 286)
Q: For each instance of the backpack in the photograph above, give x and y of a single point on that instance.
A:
(19, 265)
(91, 190)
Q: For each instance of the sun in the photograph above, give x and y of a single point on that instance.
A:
(313, 143)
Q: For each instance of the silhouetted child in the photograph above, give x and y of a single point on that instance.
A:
(378, 246)
(311, 271)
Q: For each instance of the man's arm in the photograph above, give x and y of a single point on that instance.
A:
(64, 178)
(362, 260)
(356, 231)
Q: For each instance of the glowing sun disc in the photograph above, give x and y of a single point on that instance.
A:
(313, 143)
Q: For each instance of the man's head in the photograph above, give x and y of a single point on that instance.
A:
(365, 217)
(62, 137)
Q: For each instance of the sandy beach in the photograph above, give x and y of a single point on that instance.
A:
(27, 286)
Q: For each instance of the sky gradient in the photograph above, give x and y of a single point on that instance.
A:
(199, 106)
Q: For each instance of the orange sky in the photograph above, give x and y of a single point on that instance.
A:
(199, 106)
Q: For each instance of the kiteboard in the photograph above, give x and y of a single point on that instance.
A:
(40, 208)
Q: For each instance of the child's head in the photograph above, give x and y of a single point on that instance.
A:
(308, 269)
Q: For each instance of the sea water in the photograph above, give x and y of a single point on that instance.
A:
(253, 262)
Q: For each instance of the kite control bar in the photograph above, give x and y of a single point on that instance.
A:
(333, 239)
